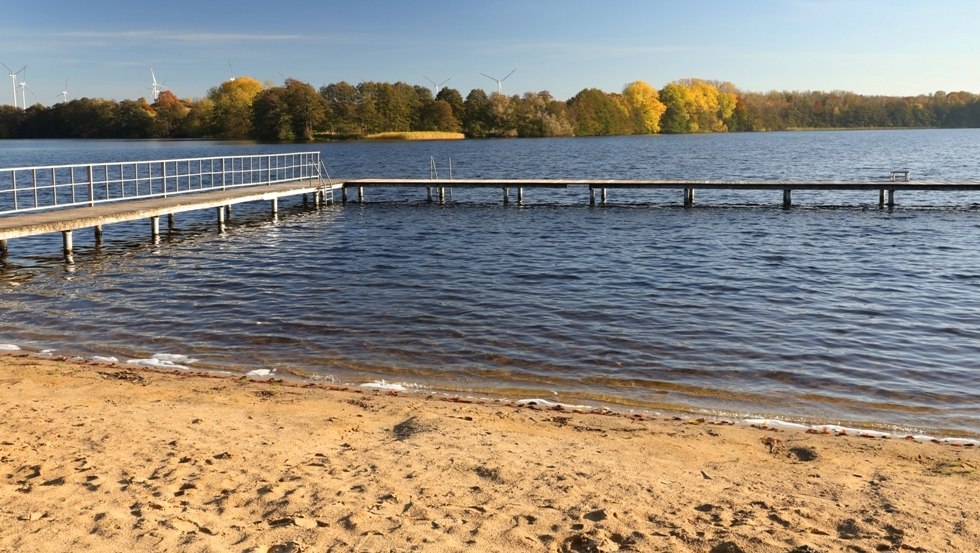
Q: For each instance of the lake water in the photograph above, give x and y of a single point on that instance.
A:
(831, 312)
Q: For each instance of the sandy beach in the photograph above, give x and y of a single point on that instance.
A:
(99, 457)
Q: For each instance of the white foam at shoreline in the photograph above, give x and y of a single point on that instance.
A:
(844, 430)
(164, 361)
(261, 372)
(553, 405)
(102, 359)
(9, 347)
(385, 386)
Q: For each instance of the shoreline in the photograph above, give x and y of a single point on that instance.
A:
(100, 456)
(296, 377)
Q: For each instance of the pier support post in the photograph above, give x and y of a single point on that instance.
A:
(787, 198)
(171, 223)
(688, 197)
(360, 194)
(274, 206)
(316, 200)
(891, 198)
(428, 194)
(591, 196)
(67, 242)
(520, 196)
(228, 211)
(221, 217)
(506, 196)
(343, 194)
(97, 230)
(3, 249)
(602, 196)
(442, 195)
(881, 198)
(155, 228)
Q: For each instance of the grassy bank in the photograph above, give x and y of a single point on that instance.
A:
(416, 135)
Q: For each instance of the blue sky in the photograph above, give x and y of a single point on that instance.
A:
(105, 48)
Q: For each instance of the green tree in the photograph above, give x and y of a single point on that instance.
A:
(307, 109)
(343, 102)
(477, 114)
(271, 116)
(596, 113)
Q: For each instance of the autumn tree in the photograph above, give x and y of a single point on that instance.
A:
(169, 115)
(644, 106)
(231, 114)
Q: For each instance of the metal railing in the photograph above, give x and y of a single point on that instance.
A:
(25, 189)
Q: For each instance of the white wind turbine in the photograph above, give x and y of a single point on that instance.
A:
(157, 88)
(64, 93)
(436, 87)
(13, 80)
(500, 82)
(23, 88)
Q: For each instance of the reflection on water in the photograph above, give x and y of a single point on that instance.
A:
(830, 314)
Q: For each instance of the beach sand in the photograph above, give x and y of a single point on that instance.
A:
(97, 457)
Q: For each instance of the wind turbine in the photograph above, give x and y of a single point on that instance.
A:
(23, 88)
(64, 93)
(500, 82)
(157, 88)
(13, 80)
(436, 87)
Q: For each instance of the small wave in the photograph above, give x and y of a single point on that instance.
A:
(103, 359)
(9, 347)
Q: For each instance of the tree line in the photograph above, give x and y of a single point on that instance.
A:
(295, 111)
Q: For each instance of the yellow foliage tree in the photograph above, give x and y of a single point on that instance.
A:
(231, 115)
(645, 107)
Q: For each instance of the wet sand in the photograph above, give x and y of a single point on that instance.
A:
(109, 458)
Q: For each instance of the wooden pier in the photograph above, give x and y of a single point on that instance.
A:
(68, 198)
(66, 221)
(886, 188)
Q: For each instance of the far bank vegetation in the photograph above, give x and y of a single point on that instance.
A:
(296, 111)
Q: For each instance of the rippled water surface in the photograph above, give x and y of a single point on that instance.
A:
(833, 311)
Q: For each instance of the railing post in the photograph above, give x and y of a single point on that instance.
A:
(91, 186)
(163, 175)
(222, 173)
(268, 169)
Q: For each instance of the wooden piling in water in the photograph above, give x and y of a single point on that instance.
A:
(520, 196)
(688, 197)
(4, 252)
(506, 196)
(66, 242)
(171, 223)
(787, 198)
(97, 231)
(155, 228)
